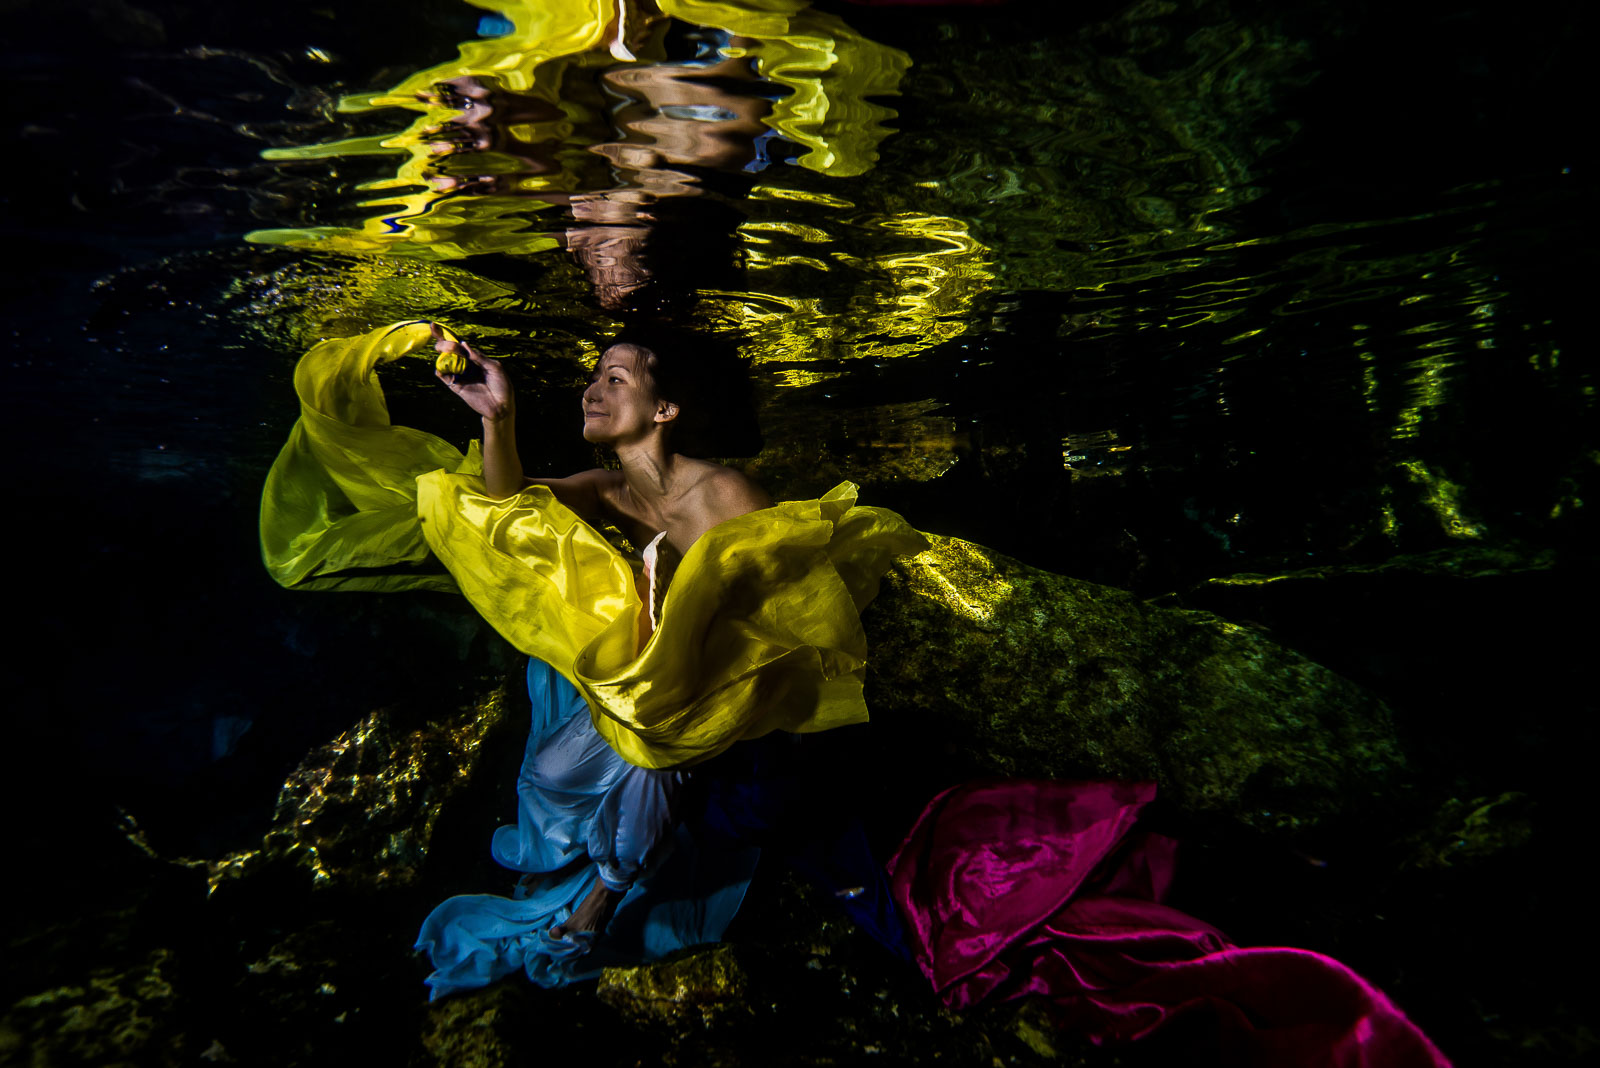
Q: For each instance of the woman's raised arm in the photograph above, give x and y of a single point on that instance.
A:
(486, 389)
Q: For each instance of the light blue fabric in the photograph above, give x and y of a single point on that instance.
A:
(575, 795)
(583, 812)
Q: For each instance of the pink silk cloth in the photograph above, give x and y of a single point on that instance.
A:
(1017, 887)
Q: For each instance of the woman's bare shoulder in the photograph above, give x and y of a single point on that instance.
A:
(732, 493)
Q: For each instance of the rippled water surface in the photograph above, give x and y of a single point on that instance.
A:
(1173, 292)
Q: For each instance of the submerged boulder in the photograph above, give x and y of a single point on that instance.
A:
(703, 988)
(360, 811)
(114, 1016)
(1032, 674)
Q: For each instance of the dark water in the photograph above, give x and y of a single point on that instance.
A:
(1180, 291)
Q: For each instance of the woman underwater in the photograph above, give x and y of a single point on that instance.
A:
(746, 622)
(660, 498)
(756, 630)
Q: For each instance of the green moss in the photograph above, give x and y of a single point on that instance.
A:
(114, 1018)
(703, 988)
(1040, 675)
(1466, 832)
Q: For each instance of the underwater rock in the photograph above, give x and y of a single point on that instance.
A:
(1033, 1026)
(112, 1018)
(1453, 639)
(1033, 674)
(700, 989)
(474, 1029)
(1466, 832)
(1464, 562)
(801, 985)
(360, 811)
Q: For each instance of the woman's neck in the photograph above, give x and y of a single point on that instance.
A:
(648, 470)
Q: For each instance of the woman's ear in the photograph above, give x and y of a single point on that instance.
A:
(666, 412)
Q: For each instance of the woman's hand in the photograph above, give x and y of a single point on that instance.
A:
(483, 385)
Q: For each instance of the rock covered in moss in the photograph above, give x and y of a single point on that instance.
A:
(1034, 674)
(360, 810)
(1470, 832)
(114, 1017)
(702, 989)
(476, 1029)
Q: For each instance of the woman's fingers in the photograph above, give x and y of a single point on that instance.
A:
(455, 356)
(457, 359)
(446, 344)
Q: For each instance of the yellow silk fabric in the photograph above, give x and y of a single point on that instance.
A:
(339, 510)
(760, 629)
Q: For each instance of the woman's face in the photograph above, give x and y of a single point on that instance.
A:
(620, 405)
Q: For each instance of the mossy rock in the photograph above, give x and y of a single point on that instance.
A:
(1033, 674)
(704, 988)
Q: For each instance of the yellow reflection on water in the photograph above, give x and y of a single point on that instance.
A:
(1095, 454)
(1444, 498)
(514, 127)
(913, 298)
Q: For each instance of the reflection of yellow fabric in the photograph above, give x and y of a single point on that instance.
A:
(761, 626)
(926, 298)
(828, 68)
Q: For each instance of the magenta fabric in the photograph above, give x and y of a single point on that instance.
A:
(1014, 887)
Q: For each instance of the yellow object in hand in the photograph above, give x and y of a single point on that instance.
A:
(451, 363)
(413, 337)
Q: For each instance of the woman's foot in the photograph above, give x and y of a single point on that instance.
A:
(593, 912)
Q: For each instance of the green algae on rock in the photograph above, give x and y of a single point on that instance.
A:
(113, 1017)
(1468, 832)
(476, 1029)
(1041, 675)
(702, 988)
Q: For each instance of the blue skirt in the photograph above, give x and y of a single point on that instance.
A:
(584, 813)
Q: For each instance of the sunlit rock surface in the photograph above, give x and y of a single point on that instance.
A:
(1036, 674)
(702, 989)
(360, 810)
(478, 1029)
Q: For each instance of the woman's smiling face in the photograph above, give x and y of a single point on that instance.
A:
(620, 403)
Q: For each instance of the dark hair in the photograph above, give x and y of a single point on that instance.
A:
(703, 374)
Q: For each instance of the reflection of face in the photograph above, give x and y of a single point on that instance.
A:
(684, 120)
(620, 403)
